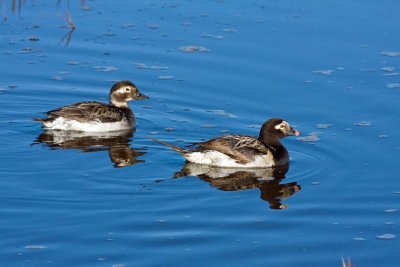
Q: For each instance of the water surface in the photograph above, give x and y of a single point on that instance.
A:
(331, 69)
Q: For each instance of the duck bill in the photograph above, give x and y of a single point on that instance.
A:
(294, 132)
(141, 96)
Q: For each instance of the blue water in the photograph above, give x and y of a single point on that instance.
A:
(330, 68)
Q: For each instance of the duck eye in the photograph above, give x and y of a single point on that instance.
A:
(127, 89)
(282, 126)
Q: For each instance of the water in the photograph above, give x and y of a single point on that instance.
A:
(209, 68)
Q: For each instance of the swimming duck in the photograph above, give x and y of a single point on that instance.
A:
(241, 151)
(96, 116)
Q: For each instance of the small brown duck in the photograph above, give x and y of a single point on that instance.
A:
(241, 151)
(96, 116)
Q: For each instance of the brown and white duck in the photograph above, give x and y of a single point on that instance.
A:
(96, 116)
(241, 151)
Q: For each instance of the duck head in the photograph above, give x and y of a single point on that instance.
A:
(275, 129)
(125, 91)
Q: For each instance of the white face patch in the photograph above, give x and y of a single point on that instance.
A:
(124, 90)
(283, 126)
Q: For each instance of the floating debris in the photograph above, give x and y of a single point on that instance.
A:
(386, 236)
(212, 36)
(166, 77)
(208, 125)
(253, 126)
(312, 137)
(391, 74)
(155, 67)
(26, 50)
(193, 49)
(222, 113)
(391, 210)
(152, 26)
(72, 62)
(391, 54)
(229, 30)
(393, 85)
(169, 129)
(33, 39)
(105, 68)
(324, 126)
(57, 78)
(388, 69)
(324, 72)
(109, 34)
(35, 247)
(363, 123)
(86, 8)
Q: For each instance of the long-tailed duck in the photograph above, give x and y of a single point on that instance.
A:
(240, 151)
(96, 116)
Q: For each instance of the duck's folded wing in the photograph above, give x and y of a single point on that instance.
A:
(239, 147)
(87, 111)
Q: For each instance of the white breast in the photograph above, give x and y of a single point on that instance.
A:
(93, 126)
(218, 159)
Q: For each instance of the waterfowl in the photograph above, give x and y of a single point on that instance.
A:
(242, 151)
(92, 116)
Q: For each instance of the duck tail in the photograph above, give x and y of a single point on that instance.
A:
(41, 119)
(173, 147)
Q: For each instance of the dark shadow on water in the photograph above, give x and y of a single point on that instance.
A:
(117, 144)
(268, 180)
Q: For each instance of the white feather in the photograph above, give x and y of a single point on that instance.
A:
(218, 159)
(94, 126)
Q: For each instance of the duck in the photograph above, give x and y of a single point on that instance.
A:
(242, 151)
(93, 116)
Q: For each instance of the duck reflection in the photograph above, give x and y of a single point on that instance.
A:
(117, 144)
(268, 180)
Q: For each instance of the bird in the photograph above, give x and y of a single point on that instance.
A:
(242, 151)
(93, 116)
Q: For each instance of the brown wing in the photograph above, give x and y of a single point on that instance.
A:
(241, 148)
(87, 111)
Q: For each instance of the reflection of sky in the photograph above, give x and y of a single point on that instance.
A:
(209, 67)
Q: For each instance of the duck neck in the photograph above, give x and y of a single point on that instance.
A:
(120, 104)
(269, 141)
